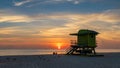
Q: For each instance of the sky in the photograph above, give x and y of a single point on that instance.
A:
(46, 24)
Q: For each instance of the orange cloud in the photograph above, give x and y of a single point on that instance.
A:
(107, 23)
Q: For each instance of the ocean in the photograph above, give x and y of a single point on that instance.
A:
(8, 52)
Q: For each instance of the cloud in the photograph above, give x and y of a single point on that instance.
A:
(111, 16)
(21, 2)
(106, 23)
(18, 32)
(8, 30)
(31, 3)
(58, 25)
(76, 2)
(61, 24)
(14, 18)
(38, 2)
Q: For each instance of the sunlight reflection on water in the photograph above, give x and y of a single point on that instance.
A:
(45, 51)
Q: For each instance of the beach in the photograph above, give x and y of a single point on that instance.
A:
(109, 60)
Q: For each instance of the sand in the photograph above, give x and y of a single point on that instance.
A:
(110, 60)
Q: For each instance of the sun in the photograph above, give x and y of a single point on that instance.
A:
(59, 45)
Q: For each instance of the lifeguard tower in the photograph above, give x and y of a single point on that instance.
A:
(85, 44)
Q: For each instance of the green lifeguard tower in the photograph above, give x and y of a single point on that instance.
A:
(85, 44)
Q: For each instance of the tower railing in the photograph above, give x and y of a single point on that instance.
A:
(73, 42)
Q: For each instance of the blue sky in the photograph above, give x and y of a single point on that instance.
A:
(34, 21)
(51, 6)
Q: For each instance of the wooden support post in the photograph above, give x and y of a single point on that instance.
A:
(94, 51)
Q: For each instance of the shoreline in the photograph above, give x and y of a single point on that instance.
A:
(10, 52)
(98, 53)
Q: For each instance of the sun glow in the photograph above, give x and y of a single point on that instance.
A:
(59, 45)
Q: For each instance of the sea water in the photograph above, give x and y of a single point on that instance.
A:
(6, 52)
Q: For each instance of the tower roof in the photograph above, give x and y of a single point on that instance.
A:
(84, 32)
